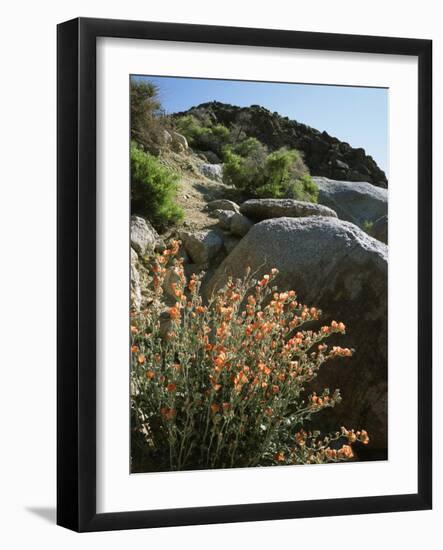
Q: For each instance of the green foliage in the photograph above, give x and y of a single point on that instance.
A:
(204, 138)
(238, 172)
(147, 127)
(279, 174)
(302, 189)
(153, 189)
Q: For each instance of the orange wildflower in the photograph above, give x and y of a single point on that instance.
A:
(174, 312)
(134, 349)
(141, 359)
(331, 453)
(167, 413)
(150, 374)
(364, 438)
(171, 387)
(345, 452)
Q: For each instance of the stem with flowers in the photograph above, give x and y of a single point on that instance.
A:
(223, 383)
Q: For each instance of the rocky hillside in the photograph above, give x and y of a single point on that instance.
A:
(323, 154)
(331, 246)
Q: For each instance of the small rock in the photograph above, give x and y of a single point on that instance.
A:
(202, 246)
(179, 141)
(143, 235)
(224, 217)
(240, 225)
(265, 209)
(212, 171)
(342, 165)
(223, 204)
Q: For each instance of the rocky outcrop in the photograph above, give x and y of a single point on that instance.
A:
(324, 155)
(265, 209)
(379, 229)
(356, 202)
(336, 266)
(143, 236)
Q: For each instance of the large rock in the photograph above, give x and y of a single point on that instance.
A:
(143, 236)
(223, 204)
(212, 171)
(334, 265)
(356, 202)
(379, 229)
(202, 246)
(265, 209)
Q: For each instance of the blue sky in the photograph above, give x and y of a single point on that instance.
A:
(356, 115)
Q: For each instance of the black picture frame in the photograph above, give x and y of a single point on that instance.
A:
(76, 281)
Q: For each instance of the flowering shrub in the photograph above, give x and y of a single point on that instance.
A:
(222, 384)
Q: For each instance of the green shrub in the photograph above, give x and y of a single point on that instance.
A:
(302, 189)
(204, 138)
(147, 126)
(225, 385)
(279, 174)
(238, 172)
(153, 189)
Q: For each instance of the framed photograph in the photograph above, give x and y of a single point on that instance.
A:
(244, 274)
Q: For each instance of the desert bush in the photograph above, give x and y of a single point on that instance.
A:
(147, 126)
(280, 174)
(153, 189)
(223, 384)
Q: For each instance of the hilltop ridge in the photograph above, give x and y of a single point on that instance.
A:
(323, 154)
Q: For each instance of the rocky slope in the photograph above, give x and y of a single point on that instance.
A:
(319, 249)
(323, 154)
